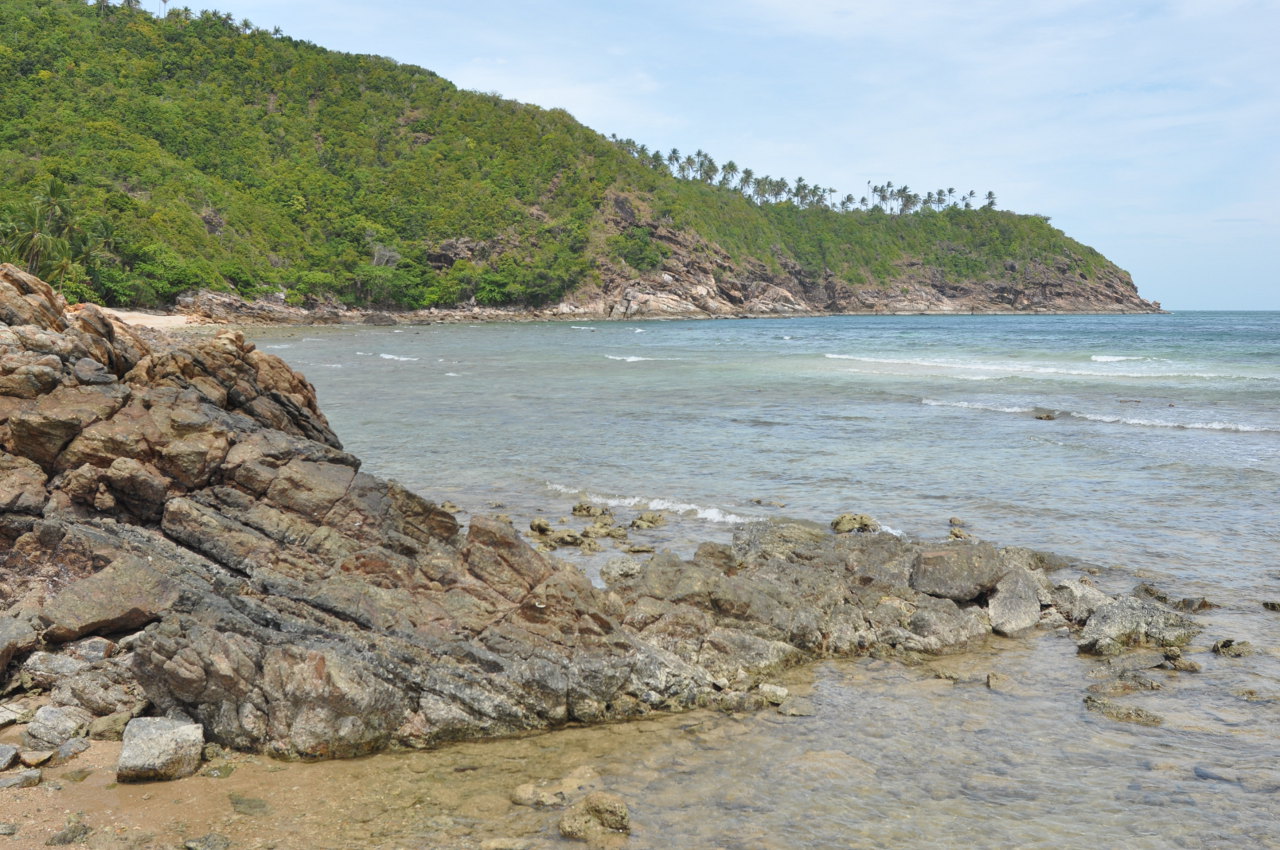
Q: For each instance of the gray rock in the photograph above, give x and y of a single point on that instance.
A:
(8, 829)
(46, 669)
(8, 756)
(942, 623)
(53, 725)
(1014, 606)
(25, 779)
(212, 841)
(89, 371)
(960, 571)
(69, 750)
(1077, 600)
(1134, 622)
(159, 748)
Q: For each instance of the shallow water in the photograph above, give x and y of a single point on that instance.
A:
(1162, 462)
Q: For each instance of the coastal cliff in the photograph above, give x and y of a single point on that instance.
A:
(182, 535)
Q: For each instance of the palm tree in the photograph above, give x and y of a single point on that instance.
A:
(673, 159)
(746, 180)
(728, 171)
(991, 201)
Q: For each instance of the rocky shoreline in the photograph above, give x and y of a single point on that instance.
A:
(635, 301)
(191, 562)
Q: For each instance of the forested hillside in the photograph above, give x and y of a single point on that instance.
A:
(141, 157)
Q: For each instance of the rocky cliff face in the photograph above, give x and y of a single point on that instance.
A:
(698, 278)
(187, 500)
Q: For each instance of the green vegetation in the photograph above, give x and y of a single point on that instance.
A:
(143, 156)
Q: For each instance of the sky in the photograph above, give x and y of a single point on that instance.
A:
(1148, 129)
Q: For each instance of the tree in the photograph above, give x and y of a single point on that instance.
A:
(991, 201)
(728, 171)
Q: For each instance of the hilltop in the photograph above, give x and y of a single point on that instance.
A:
(143, 157)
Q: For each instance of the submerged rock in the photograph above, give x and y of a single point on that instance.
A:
(597, 815)
(1129, 621)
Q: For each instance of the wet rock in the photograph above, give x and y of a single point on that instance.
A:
(797, 707)
(53, 725)
(75, 832)
(540, 526)
(1129, 682)
(1123, 713)
(775, 694)
(854, 523)
(1134, 622)
(648, 520)
(1188, 604)
(1014, 605)
(586, 509)
(1174, 660)
(1271, 606)
(159, 749)
(959, 571)
(596, 816)
(1230, 648)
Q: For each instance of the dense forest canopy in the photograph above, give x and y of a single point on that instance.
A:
(144, 156)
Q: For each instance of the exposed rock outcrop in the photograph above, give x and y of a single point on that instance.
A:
(291, 603)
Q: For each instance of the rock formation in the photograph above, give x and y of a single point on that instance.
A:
(187, 500)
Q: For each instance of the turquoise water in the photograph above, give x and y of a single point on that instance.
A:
(1158, 458)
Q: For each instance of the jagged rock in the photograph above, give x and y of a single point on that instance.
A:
(103, 688)
(68, 750)
(8, 756)
(16, 637)
(1077, 600)
(53, 725)
(296, 605)
(1134, 622)
(1230, 648)
(1014, 605)
(75, 832)
(159, 749)
(126, 594)
(595, 816)
(960, 571)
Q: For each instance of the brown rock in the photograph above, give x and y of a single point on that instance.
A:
(127, 594)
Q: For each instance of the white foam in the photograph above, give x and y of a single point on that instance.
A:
(364, 353)
(279, 345)
(1159, 423)
(1114, 358)
(638, 330)
(395, 357)
(653, 504)
(452, 375)
(634, 359)
(1026, 369)
(971, 405)
(581, 328)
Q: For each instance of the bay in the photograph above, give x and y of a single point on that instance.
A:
(1148, 446)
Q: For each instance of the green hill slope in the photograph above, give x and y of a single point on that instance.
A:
(141, 157)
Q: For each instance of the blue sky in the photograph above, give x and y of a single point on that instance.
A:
(1149, 129)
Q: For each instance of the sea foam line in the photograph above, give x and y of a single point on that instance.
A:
(653, 504)
(634, 359)
(1034, 370)
(395, 357)
(1108, 420)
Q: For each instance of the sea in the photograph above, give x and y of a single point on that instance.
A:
(1146, 446)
